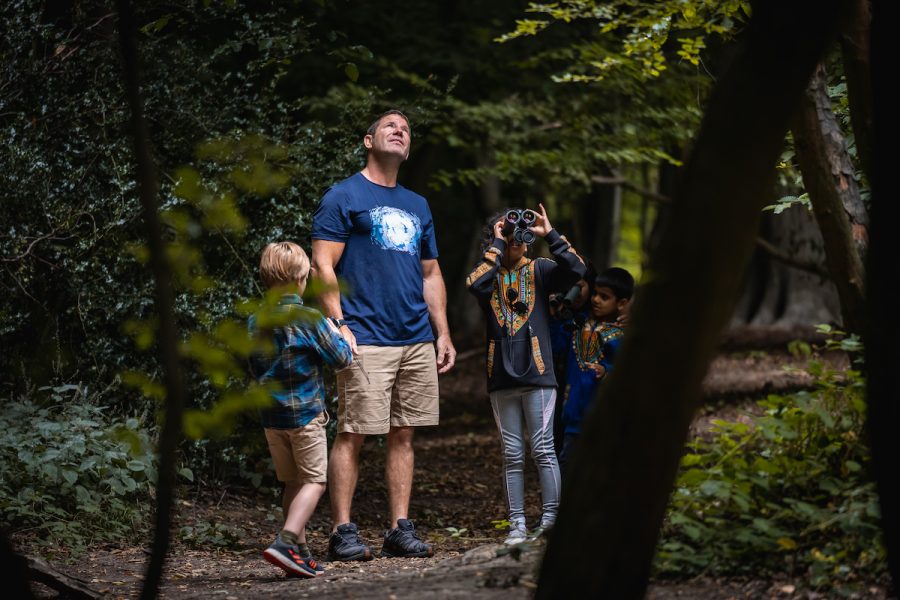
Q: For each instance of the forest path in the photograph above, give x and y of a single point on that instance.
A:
(456, 497)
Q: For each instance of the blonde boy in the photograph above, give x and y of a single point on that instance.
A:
(295, 425)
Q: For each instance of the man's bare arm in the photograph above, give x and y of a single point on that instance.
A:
(436, 299)
(325, 256)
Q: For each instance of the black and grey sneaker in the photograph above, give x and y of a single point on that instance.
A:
(304, 552)
(403, 542)
(344, 544)
(287, 557)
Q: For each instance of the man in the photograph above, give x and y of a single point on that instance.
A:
(379, 238)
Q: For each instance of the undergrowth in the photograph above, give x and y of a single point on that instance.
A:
(786, 492)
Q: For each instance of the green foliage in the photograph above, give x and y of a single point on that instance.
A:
(787, 202)
(70, 472)
(262, 95)
(203, 534)
(784, 491)
(643, 32)
(456, 532)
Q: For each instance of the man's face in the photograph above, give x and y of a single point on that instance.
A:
(391, 137)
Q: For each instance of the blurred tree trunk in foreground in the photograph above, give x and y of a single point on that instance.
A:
(883, 294)
(855, 50)
(615, 497)
(165, 303)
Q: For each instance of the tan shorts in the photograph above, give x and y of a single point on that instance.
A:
(300, 455)
(388, 386)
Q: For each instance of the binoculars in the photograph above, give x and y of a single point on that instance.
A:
(562, 303)
(517, 223)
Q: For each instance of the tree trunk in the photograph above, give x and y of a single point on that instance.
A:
(883, 297)
(165, 305)
(628, 454)
(858, 71)
(595, 234)
(829, 177)
(780, 295)
(666, 187)
(464, 312)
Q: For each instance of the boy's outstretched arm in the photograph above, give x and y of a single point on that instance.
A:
(332, 346)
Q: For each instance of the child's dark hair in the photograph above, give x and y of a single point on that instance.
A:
(618, 280)
(487, 232)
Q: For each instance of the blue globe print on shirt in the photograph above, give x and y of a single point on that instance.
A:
(395, 229)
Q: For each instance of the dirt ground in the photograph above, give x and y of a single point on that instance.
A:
(457, 497)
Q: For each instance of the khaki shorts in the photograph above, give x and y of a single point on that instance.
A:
(301, 454)
(388, 386)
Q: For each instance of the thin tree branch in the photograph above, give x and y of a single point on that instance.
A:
(777, 254)
(602, 180)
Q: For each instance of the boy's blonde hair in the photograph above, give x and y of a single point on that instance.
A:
(283, 263)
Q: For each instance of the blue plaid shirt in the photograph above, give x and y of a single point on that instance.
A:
(301, 348)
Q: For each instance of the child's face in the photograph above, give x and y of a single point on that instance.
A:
(514, 250)
(582, 295)
(604, 304)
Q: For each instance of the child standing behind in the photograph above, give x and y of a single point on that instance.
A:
(303, 341)
(594, 348)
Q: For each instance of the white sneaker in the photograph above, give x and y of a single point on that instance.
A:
(517, 534)
(541, 531)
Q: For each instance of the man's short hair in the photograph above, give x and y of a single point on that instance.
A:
(618, 280)
(374, 125)
(283, 263)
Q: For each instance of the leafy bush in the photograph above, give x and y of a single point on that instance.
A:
(786, 492)
(203, 534)
(70, 472)
(71, 204)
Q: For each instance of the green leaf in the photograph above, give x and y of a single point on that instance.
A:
(51, 471)
(116, 485)
(69, 476)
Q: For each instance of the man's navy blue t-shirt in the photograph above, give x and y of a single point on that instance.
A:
(387, 232)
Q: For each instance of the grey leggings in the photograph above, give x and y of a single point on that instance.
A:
(514, 410)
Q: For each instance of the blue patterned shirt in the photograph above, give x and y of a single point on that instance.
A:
(301, 349)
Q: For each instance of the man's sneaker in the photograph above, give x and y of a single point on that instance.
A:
(403, 542)
(517, 534)
(344, 544)
(288, 558)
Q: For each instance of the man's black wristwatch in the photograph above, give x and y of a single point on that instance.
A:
(338, 322)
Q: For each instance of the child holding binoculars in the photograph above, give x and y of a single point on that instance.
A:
(513, 291)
